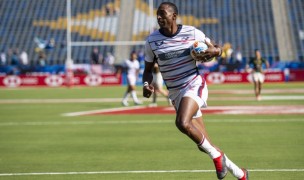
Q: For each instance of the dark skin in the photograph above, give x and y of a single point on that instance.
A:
(194, 128)
(258, 84)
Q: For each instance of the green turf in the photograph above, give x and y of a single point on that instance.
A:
(35, 137)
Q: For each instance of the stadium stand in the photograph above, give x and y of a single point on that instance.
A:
(244, 24)
(297, 19)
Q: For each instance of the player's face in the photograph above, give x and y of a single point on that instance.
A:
(133, 56)
(165, 17)
(258, 54)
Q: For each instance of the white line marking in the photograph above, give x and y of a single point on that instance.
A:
(102, 110)
(282, 97)
(83, 123)
(279, 109)
(142, 172)
(247, 91)
(159, 121)
(103, 100)
(88, 100)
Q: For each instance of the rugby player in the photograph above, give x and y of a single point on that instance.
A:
(157, 83)
(169, 46)
(257, 72)
(132, 67)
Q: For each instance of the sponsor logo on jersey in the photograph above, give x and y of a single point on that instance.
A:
(174, 54)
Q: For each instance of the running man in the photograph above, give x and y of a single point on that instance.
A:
(257, 73)
(169, 46)
(132, 67)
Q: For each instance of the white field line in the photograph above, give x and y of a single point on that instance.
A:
(293, 109)
(282, 97)
(164, 121)
(103, 100)
(102, 110)
(88, 100)
(249, 91)
(142, 172)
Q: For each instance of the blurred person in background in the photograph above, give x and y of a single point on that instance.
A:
(108, 62)
(238, 59)
(157, 83)
(15, 62)
(95, 66)
(95, 56)
(187, 88)
(42, 58)
(24, 62)
(3, 58)
(225, 57)
(44, 44)
(15, 58)
(257, 72)
(24, 58)
(131, 66)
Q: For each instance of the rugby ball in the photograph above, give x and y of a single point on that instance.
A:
(197, 49)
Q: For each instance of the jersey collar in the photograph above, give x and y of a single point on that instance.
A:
(179, 28)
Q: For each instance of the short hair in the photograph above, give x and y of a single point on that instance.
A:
(172, 5)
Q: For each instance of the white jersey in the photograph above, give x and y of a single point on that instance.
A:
(131, 66)
(173, 55)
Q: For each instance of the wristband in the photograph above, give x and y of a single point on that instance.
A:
(146, 83)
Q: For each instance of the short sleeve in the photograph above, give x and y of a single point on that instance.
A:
(200, 36)
(149, 55)
(137, 65)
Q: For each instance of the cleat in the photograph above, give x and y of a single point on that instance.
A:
(246, 175)
(220, 167)
(125, 103)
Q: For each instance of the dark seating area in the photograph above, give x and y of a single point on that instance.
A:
(31, 26)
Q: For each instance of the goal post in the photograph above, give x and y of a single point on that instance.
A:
(69, 62)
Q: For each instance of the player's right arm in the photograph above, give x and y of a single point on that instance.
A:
(148, 89)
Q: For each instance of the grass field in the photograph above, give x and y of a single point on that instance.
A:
(38, 142)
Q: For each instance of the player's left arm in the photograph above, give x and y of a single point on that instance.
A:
(137, 72)
(267, 64)
(213, 50)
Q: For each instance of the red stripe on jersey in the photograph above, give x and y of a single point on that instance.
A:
(201, 88)
(176, 65)
(189, 82)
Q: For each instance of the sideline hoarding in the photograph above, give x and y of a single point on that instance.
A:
(58, 80)
(112, 79)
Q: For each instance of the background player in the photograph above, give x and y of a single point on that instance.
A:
(187, 89)
(157, 83)
(257, 72)
(132, 68)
